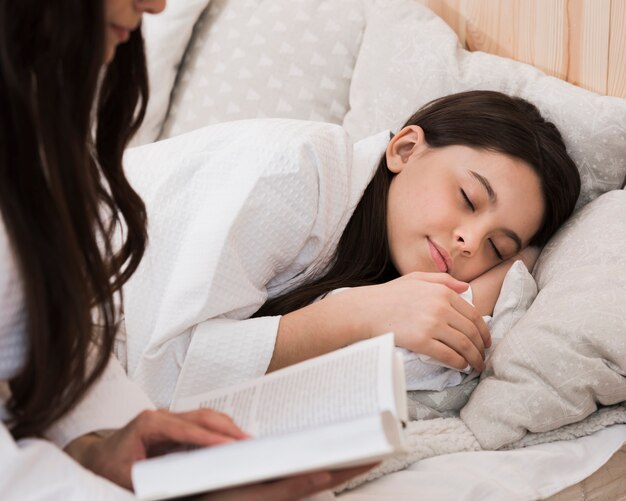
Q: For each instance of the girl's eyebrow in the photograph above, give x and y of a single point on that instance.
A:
(493, 198)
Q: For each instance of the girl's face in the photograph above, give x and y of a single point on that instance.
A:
(124, 16)
(456, 209)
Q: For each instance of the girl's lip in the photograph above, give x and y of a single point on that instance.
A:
(123, 34)
(439, 256)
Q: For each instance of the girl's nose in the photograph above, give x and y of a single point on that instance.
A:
(467, 242)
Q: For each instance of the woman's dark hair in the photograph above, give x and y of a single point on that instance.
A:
(63, 192)
(479, 119)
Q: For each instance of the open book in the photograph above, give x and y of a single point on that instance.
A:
(342, 409)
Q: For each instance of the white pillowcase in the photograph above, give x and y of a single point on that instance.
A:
(255, 59)
(166, 37)
(518, 292)
(409, 56)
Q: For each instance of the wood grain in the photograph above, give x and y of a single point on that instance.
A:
(607, 484)
(581, 41)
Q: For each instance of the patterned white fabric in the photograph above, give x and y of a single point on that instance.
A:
(237, 212)
(567, 355)
(166, 37)
(409, 56)
(254, 59)
(111, 403)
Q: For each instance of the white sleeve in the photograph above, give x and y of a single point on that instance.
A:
(110, 403)
(35, 469)
(232, 209)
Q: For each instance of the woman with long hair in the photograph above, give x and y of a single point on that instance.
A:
(73, 90)
(275, 214)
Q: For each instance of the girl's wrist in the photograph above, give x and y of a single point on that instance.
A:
(355, 314)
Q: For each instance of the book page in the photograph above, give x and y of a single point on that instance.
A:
(349, 383)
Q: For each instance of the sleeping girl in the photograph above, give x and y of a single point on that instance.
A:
(252, 221)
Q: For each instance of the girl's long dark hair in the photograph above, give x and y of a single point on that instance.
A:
(479, 119)
(63, 192)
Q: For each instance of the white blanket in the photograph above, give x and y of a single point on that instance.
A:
(434, 437)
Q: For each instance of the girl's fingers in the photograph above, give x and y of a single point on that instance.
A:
(471, 313)
(462, 345)
(446, 355)
(465, 326)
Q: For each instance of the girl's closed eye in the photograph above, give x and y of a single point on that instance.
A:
(467, 200)
(496, 250)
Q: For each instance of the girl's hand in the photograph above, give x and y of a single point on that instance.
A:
(151, 433)
(428, 316)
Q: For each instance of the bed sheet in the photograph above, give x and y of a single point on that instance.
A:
(531, 473)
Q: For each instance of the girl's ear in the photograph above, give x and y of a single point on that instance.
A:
(405, 144)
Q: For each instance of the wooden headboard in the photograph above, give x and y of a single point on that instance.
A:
(581, 41)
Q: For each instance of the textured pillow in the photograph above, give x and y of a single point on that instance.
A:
(166, 37)
(409, 56)
(517, 294)
(253, 58)
(567, 355)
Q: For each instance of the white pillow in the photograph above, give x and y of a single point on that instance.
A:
(409, 56)
(567, 355)
(518, 292)
(166, 36)
(254, 59)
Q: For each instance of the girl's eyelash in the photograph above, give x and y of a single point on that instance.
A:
(495, 249)
(467, 200)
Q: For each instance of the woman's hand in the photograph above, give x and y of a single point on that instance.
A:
(428, 316)
(288, 489)
(151, 433)
(155, 432)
